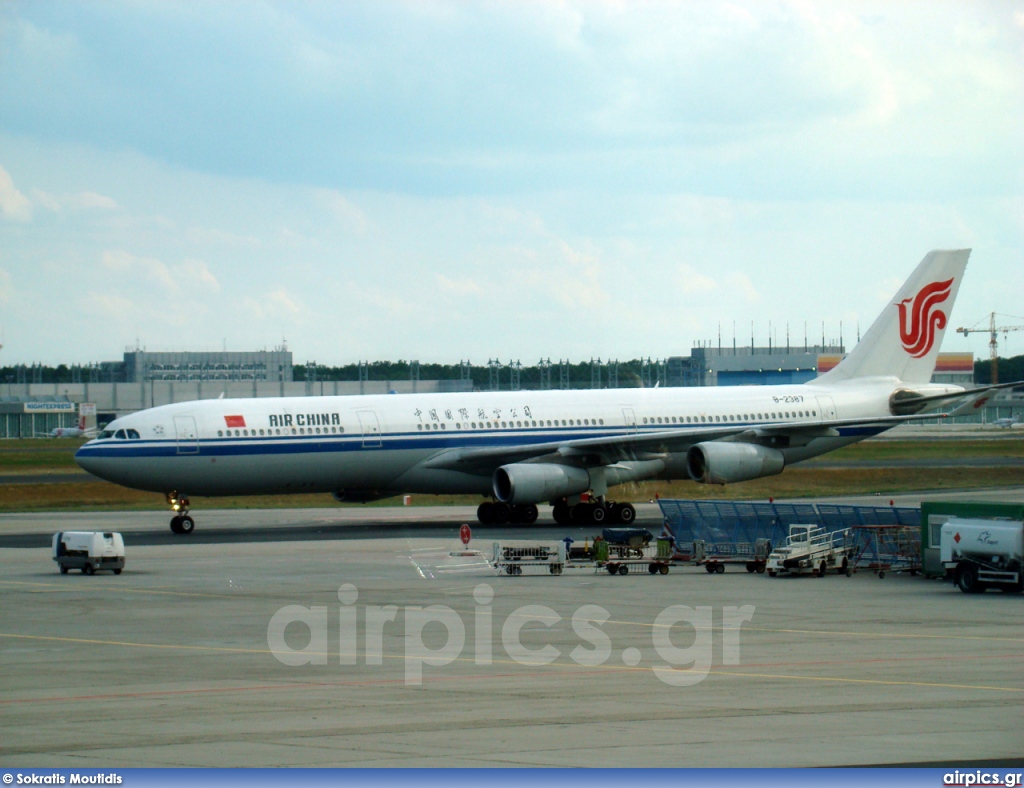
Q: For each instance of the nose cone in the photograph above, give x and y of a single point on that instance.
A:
(87, 459)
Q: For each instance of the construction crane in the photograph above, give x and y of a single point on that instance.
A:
(993, 344)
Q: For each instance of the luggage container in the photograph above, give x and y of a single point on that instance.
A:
(89, 551)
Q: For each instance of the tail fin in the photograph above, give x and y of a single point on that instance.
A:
(904, 340)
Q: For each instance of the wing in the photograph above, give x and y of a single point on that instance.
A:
(594, 452)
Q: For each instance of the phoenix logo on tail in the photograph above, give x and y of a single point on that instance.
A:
(919, 323)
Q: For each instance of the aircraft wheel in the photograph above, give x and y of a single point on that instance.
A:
(598, 514)
(562, 513)
(625, 513)
(529, 514)
(485, 513)
(188, 525)
(501, 513)
(176, 524)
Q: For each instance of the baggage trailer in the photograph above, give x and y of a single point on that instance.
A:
(89, 551)
(621, 559)
(714, 556)
(980, 554)
(809, 548)
(513, 558)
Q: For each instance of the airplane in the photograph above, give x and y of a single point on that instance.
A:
(70, 432)
(1006, 423)
(521, 448)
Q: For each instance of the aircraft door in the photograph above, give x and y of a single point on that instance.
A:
(371, 429)
(827, 408)
(188, 435)
(630, 418)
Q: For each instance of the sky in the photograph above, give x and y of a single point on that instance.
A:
(472, 180)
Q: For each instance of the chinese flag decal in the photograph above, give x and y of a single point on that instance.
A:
(235, 421)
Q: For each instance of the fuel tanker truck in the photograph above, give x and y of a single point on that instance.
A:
(982, 554)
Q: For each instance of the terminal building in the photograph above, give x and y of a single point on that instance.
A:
(141, 365)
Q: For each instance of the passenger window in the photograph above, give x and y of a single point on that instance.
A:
(602, 421)
(220, 433)
(420, 427)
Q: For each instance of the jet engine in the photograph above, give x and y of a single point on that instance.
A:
(724, 463)
(525, 482)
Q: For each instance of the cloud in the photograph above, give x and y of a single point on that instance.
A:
(92, 201)
(344, 211)
(189, 276)
(459, 287)
(197, 273)
(13, 204)
(741, 283)
(276, 304)
(694, 283)
(148, 269)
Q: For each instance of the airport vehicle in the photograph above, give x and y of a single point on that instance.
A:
(1006, 423)
(810, 548)
(89, 551)
(521, 448)
(984, 553)
(617, 557)
(714, 556)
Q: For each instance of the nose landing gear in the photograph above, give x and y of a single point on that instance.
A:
(181, 523)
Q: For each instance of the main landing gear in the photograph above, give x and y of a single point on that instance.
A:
(496, 513)
(181, 523)
(593, 512)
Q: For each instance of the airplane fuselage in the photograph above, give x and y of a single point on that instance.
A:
(383, 443)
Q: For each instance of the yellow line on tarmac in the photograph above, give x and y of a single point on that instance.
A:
(559, 665)
(890, 683)
(55, 587)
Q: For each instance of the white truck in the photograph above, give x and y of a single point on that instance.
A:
(89, 551)
(983, 553)
(809, 548)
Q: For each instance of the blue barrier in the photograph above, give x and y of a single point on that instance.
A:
(732, 527)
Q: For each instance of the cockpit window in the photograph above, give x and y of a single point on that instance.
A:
(105, 434)
(133, 434)
(120, 435)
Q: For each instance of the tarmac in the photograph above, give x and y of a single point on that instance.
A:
(182, 660)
